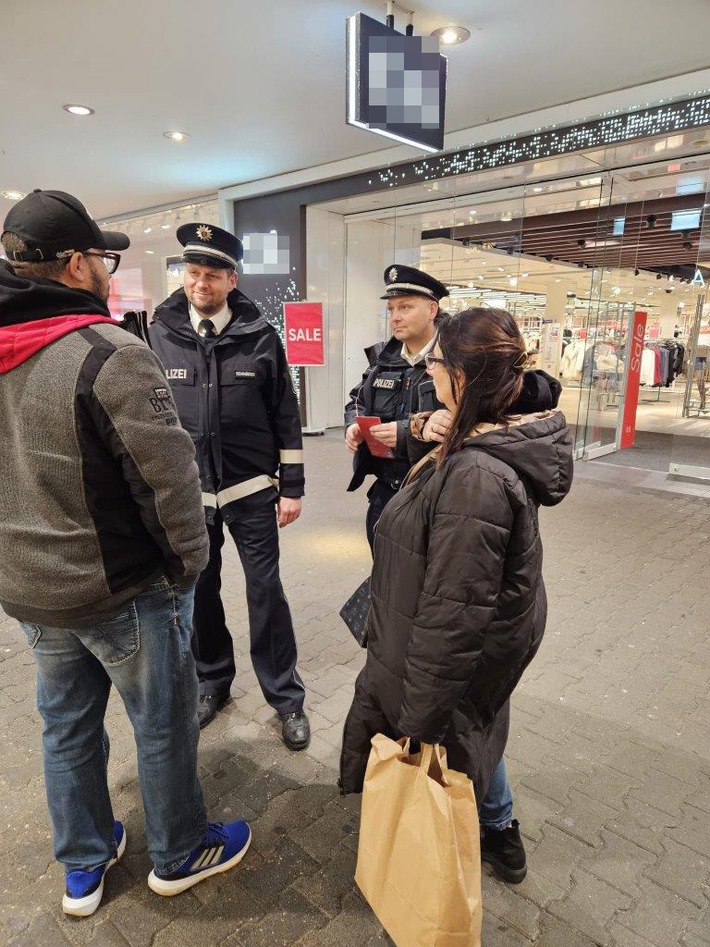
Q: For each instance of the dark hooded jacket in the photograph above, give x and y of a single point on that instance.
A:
(458, 604)
(235, 398)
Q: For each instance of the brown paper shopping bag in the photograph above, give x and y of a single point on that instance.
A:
(419, 856)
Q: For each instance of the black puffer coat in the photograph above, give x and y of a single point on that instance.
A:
(458, 602)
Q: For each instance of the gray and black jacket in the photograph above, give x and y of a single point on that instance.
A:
(99, 490)
(235, 398)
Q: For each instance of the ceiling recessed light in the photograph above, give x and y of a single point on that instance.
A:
(78, 109)
(12, 195)
(176, 136)
(537, 189)
(147, 229)
(452, 35)
(165, 226)
(150, 252)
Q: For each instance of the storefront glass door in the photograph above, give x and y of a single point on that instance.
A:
(690, 454)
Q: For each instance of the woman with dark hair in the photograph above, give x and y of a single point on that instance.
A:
(458, 604)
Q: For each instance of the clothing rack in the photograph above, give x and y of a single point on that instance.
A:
(666, 346)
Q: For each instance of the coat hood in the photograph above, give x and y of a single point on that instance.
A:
(36, 312)
(22, 299)
(538, 447)
(175, 314)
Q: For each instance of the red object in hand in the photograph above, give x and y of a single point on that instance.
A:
(376, 448)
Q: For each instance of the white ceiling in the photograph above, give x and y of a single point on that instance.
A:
(478, 271)
(260, 85)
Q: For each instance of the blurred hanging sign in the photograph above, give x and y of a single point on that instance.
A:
(636, 335)
(266, 254)
(396, 84)
(303, 327)
(698, 279)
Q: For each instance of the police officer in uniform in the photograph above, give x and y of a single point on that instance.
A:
(231, 384)
(395, 385)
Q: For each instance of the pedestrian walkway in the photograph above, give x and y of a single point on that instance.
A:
(609, 753)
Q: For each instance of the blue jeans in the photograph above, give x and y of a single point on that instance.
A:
(144, 650)
(496, 810)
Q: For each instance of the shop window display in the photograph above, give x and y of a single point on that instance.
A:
(572, 261)
(151, 268)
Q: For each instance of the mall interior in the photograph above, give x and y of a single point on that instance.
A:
(573, 190)
(573, 245)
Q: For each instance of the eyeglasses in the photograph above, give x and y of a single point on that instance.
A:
(431, 360)
(111, 260)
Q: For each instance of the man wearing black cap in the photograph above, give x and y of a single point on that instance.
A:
(227, 369)
(103, 538)
(394, 386)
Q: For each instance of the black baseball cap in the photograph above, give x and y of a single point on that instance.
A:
(54, 225)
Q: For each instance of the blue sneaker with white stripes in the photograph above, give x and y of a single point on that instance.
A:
(84, 889)
(224, 847)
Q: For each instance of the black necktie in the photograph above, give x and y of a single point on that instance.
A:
(205, 329)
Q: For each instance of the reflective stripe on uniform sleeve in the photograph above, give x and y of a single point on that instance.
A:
(209, 499)
(245, 489)
(291, 456)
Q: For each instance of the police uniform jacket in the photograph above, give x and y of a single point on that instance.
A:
(391, 389)
(235, 397)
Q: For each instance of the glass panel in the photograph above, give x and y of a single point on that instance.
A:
(151, 267)
(646, 264)
(690, 454)
(375, 240)
(612, 306)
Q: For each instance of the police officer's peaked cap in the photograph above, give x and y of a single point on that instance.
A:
(210, 246)
(408, 281)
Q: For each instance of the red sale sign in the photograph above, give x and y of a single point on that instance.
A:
(303, 325)
(637, 333)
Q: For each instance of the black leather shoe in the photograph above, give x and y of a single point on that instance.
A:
(209, 707)
(296, 730)
(504, 852)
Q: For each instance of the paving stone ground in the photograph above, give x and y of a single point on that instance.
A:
(609, 753)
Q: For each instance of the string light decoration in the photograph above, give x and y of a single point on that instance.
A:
(611, 128)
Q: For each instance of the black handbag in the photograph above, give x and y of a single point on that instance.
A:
(355, 612)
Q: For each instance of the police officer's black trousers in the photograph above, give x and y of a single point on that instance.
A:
(378, 497)
(273, 643)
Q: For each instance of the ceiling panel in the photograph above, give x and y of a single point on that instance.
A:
(260, 86)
